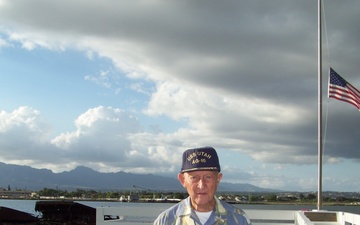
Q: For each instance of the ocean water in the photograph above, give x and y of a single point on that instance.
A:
(149, 211)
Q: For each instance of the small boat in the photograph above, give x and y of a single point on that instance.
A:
(122, 198)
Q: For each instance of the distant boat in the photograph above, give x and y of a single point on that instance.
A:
(122, 198)
(133, 197)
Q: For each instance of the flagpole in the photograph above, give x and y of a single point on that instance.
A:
(319, 204)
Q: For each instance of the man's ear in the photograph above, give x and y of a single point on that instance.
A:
(219, 177)
(181, 178)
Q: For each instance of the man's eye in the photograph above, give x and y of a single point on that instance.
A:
(209, 177)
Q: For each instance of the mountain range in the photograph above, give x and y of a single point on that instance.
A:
(28, 178)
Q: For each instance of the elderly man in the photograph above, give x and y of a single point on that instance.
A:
(200, 176)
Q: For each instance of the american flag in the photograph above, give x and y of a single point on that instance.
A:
(341, 90)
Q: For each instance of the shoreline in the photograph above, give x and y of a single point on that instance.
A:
(178, 200)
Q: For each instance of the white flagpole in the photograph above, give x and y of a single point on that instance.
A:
(319, 204)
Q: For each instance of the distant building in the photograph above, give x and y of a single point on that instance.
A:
(15, 194)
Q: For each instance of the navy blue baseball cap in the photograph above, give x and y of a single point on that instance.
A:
(204, 158)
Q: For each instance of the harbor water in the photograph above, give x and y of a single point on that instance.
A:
(149, 211)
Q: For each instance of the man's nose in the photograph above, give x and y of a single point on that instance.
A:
(201, 183)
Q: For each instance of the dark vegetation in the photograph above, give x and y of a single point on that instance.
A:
(241, 198)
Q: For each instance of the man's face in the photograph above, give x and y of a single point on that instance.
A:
(201, 187)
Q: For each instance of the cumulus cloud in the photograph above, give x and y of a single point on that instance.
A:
(22, 132)
(255, 126)
(102, 137)
(3, 43)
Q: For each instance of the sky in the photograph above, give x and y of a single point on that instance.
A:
(128, 86)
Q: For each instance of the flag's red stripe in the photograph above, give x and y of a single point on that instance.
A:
(346, 100)
(353, 90)
(343, 92)
(339, 96)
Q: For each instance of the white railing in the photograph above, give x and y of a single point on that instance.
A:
(349, 218)
(117, 215)
(327, 218)
(264, 217)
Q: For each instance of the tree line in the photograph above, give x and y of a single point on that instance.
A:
(233, 197)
